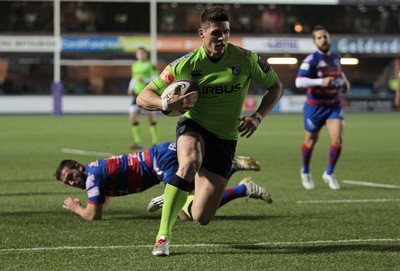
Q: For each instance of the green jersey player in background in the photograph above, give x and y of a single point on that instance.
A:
(207, 133)
(142, 72)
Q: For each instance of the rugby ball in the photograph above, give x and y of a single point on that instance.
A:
(185, 86)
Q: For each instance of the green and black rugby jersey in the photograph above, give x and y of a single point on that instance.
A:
(142, 70)
(223, 86)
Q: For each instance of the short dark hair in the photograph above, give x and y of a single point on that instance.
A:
(142, 49)
(318, 28)
(70, 164)
(214, 14)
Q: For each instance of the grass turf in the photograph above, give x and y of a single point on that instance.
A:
(355, 228)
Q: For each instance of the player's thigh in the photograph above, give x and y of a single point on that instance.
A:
(133, 107)
(311, 138)
(190, 149)
(190, 146)
(314, 117)
(151, 116)
(335, 123)
(335, 129)
(134, 111)
(208, 194)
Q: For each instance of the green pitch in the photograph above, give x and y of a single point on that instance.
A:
(355, 228)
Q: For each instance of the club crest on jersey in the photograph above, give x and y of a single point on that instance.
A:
(236, 69)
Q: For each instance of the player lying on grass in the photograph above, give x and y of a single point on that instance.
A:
(136, 172)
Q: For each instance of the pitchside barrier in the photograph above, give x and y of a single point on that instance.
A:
(59, 105)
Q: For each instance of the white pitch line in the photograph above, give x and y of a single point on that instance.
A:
(316, 242)
(390, 186)
(83, 152)
(347, 201)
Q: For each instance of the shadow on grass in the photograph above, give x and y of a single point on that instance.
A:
(13, 194)
(27, 181)
(301, 250)
(118, 216)
(127, 215)
(30, 214)
(316, 249)
(134, 217)
(248, 217)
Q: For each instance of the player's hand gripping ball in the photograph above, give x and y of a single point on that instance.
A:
(180, 88)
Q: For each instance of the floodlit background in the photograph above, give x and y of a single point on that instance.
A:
(85, 51)
(92, 44)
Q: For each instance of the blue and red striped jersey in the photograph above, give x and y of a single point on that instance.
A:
(130, 173)
(320, 65)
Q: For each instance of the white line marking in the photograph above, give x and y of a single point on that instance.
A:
(83, 152)
(347, 201)
(317, 242)
(372, 184)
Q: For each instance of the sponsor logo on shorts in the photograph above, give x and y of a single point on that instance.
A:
(310, 124)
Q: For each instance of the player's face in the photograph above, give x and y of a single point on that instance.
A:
(215, 37)
(73, 177)
(141, 55)
(322, 40)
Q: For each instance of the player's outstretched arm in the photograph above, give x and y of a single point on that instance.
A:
(90, 212)
(305, 82)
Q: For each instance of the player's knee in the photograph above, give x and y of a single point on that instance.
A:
(202, 217)
(189, 169)
(310, 142)
(311, 139)
(337, 142)
(203, 221)
(134, 109)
